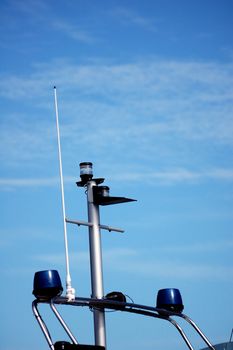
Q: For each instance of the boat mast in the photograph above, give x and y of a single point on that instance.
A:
(96, 264)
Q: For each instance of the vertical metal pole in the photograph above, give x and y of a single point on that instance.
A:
(96, 265)
(70, 292)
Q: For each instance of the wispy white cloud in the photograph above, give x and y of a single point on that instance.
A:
(26, 138)
(133, 262)
(159, 111)
(175, 176)
(81, 258)
(154, 266)
(129, 17)
(178, 270)
(167, 80)
(30, 7)
(72, 31)
(9, 183)
(162, 178)
(216, 246)
(41, 13)
(16, 183)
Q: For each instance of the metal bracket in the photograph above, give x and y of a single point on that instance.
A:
(90, 224)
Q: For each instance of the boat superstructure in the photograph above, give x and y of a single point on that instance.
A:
(48, 287)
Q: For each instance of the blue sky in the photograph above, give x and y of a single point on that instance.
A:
(145, 93)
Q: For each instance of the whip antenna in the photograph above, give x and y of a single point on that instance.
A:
(70, 292)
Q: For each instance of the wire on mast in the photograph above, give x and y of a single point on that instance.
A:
(70, 292)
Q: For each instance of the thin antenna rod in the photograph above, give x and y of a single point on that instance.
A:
(70, 292)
